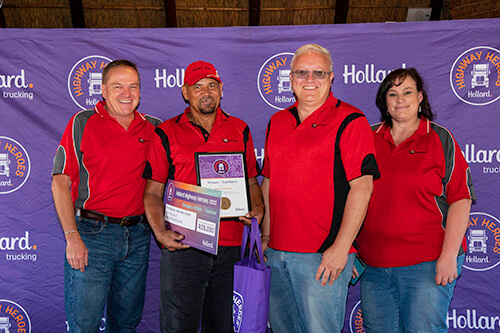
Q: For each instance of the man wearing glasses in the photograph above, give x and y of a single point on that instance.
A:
(319, 168)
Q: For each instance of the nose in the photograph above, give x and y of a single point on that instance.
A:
(310, 76)
(126, 91)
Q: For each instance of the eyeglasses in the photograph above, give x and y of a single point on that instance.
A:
(317, 75)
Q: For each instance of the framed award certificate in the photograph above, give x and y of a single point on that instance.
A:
(225, 172)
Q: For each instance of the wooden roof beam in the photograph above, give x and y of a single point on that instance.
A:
(170, 13)
(254, 13)
(437, 6)
(77, 14)
(341, 10)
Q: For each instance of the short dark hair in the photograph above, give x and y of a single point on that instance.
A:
(399, 75)
(116, 64)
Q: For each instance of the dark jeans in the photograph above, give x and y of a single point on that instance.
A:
(115, 276)
(197, 286)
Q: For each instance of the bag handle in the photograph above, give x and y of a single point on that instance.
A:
(244, 240)
(255, 237)
(253, 233)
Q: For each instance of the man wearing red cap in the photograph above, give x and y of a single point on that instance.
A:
(197, 286)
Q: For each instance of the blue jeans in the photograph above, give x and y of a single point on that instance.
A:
(298, 302)
(405, 299)
(195, 287)
(115, 277)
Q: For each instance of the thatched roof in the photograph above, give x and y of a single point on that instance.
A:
(222, 13)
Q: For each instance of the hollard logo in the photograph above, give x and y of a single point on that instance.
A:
(483, 242)
(15, 165)
(472, 320)
(170, 191)
(356, 319)
(475, 76)
(365, 74)
(221, 167)
(237, 311)
(14, 86)
(274, 83)
(13, 318)
(18, 248)
(164, 79)
(85, 80)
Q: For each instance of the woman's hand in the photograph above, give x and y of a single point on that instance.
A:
(446, 270)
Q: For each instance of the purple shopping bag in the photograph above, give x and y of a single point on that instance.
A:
(252, 280)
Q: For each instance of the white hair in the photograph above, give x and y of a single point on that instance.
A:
(314, 48)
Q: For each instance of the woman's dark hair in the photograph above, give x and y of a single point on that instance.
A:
(399, 75)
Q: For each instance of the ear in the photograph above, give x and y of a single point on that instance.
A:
(184, 92)
(420, 97)
(332, 75)
(104, 91)
(220, 89)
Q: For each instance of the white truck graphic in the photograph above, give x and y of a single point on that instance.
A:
(480, 74)
(4, 168)
(95, 83)
(284, 83)
(477, 241)
(4, 325)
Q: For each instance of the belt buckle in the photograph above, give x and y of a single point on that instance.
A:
(123, 220)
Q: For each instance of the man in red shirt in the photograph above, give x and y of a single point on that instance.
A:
(319, 167)
(97, 172)
(197, 286)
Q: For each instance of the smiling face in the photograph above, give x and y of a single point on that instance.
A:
(122, 92)
(311, 92)
(203, 96)
(402, 100)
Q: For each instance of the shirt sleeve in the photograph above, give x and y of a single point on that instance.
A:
(266, 164)
(357, 148)
(252, 167)
(66, 159)
(459, 185)
(157, 164)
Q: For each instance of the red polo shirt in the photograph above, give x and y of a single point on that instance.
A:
(421, 177)
(309, 166)
(172, 155)
(105, 162)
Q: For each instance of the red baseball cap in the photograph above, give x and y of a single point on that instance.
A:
(199, 70)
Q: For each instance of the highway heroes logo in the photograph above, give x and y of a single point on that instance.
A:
(475, 76)
(273, 81)
(13, 318)
(483, 242)
(15, 165)
(14, 86)
(85, 81)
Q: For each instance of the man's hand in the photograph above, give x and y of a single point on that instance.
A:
(76, 252)
(171, 240)
(331, 266)
(446, 270)
(257, 212)
(257, 202)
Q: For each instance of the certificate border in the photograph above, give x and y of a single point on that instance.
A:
(222, 153)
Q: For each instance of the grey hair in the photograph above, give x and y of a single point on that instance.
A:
(314, 48)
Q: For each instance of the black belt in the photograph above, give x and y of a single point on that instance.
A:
(126, 221)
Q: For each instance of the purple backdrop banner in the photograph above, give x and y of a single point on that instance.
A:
(48, 75)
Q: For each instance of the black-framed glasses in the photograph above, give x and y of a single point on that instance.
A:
(317, 75)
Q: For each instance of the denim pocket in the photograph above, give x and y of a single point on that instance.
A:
(88, 226)
(145, 225)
